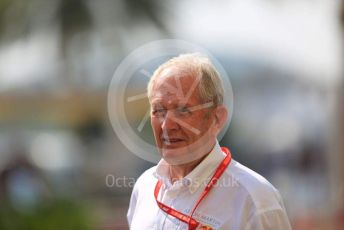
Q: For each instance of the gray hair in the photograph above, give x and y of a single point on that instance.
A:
(210, 86)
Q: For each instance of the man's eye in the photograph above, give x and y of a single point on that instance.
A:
(183, 110)
(158, 112)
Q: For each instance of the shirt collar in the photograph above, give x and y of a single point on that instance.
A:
(198, 176)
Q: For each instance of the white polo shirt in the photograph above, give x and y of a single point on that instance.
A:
(242, 199)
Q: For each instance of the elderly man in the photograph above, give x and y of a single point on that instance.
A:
(197, 185)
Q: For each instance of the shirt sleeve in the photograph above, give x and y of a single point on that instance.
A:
(132, 205)
(276, 219)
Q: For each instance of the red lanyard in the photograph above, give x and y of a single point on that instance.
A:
(193, 224)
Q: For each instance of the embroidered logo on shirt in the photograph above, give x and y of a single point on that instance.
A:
(207, 222)
(205, 227)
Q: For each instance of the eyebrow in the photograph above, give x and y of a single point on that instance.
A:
(201, 106)
(184, 105)
(192, 108)
(156, 102)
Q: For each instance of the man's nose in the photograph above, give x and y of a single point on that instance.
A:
(168, 122)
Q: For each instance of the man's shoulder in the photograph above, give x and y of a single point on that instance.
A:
(247, 177)
(262, 193)
(147, 176)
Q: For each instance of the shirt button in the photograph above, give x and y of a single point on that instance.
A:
(186, 182)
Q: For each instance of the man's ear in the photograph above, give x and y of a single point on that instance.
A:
(221, 116)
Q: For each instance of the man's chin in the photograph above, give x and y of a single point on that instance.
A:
(178, 156)
(171, 153)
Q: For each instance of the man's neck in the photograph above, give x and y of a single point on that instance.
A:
(178, 172)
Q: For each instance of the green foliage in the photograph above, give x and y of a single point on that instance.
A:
(59, 214)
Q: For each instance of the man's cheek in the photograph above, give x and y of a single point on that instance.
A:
(155, 126)
(157, 134)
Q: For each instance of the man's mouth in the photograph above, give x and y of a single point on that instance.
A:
(171, 141)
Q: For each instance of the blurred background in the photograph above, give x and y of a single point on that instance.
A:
(61, 164)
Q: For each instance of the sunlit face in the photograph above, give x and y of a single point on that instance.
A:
(184, 126)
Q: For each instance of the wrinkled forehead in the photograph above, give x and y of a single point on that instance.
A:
(174, 81)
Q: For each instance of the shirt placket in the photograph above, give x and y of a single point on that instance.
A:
(169, 197)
